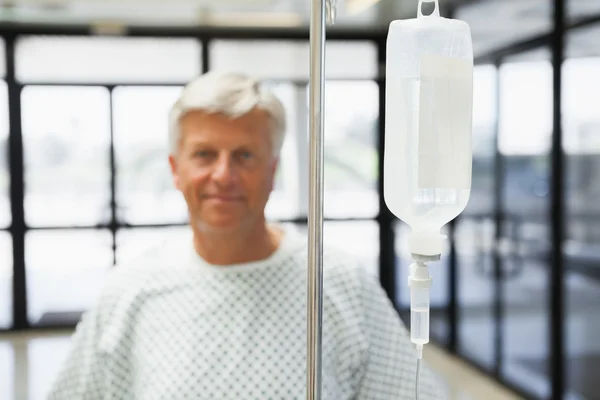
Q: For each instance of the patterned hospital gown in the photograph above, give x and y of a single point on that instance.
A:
(170, 326)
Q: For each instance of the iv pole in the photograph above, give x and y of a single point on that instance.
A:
(320, 9)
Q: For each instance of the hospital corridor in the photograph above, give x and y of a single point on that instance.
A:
(289, 199)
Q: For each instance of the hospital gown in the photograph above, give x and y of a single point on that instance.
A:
(170, 326)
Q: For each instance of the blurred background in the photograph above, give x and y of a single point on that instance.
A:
(85, 87)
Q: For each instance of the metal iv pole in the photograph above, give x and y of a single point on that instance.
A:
(320, 11)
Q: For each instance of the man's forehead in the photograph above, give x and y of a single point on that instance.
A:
(255, 116)
(204, 128)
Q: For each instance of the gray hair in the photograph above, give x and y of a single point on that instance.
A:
(230, 93)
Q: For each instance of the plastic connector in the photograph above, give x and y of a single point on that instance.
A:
(419, 283)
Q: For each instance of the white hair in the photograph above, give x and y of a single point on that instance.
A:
(232, 94)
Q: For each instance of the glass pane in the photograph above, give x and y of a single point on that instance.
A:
(474, 254)
(290, 59)
(65, 272)
(481, 199)
(359, 239)
(66, 138)
(5, 213)
(581, 130)
(578, 9)
(132, 242)
(583, 42)
(7, 370)
(6, 276)
(497, 24)
(474, 230)
(525, 128)
(107, 59)
(145, 191)
(438, 270)
(2, 58)
(285, 200)
(350, 160)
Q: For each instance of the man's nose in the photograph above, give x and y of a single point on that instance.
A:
(224, 171)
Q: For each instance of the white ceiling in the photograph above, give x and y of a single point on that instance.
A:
(362, 13)
(494, 23)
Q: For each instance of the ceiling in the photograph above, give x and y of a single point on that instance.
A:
(363, 13)
(493, 23)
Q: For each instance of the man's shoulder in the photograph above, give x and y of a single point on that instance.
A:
(340, 266)
(156, 265)
(346, 273)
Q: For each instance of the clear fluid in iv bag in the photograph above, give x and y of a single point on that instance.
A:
(428, 148)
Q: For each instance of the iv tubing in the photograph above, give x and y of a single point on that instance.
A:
(319, 10)
(417, 378)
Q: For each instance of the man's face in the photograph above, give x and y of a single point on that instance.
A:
(225, 169)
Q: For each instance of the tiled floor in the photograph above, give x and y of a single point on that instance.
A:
(30, 362)
(463, 382)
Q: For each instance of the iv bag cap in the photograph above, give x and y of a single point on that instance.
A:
(426, 244)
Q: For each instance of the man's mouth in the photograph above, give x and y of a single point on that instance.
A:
(223, 197)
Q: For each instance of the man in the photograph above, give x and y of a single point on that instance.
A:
(223, 314)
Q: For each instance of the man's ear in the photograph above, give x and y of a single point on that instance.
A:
(173, 164)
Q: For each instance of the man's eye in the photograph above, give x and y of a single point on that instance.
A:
(202, 154)
(245, 155)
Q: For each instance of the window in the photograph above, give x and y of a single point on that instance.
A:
(474, 230)
(359, 239)
(65, 272)
(493, 22)
(527, 117)
(132, 242)
(145, 191)
(106, 59)
(581, 119)
(579, 9)
(524, 141)
(6, 253)
(285, 200)
(289, 60)
(2, 58)
(5, 212)
(581, 128)
(350, 160)
(580, 43)
(66, 136)
(6, 274)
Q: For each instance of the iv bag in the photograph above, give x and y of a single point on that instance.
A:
(429, 102)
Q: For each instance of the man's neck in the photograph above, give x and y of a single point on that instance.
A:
(239, 247)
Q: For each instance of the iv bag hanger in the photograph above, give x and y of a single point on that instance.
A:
(436, 8)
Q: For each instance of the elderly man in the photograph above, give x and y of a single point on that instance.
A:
(223, 314)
